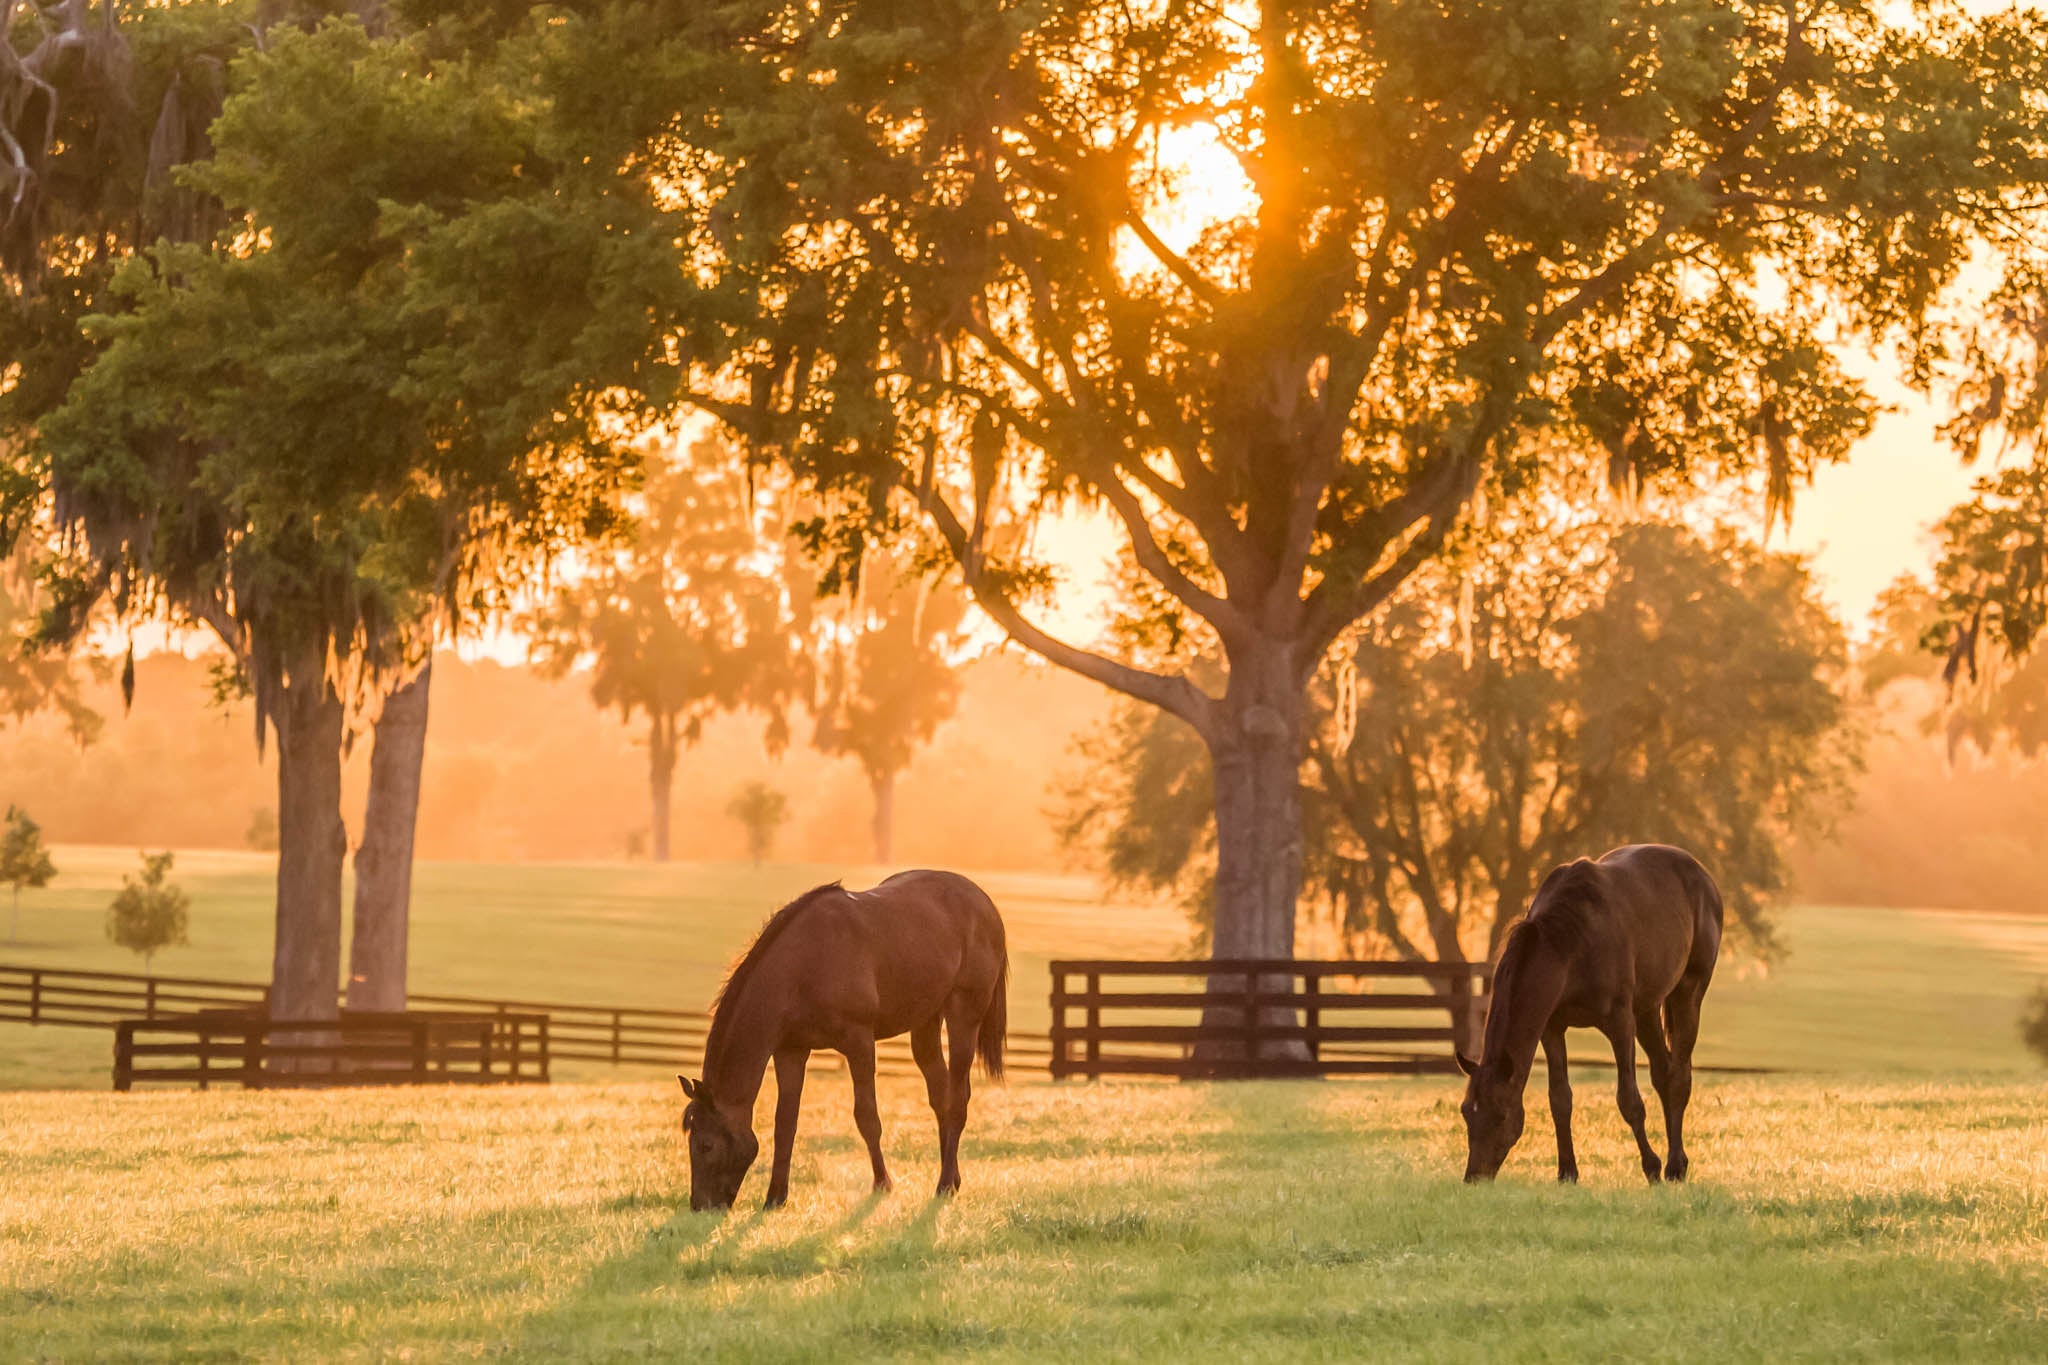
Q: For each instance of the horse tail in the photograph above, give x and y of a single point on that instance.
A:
(995, 1022)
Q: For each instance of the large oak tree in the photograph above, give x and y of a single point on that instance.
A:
(356, 418)
(1281, 285)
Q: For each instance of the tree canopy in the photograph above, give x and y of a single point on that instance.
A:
(1562, 684)
(1283, 287)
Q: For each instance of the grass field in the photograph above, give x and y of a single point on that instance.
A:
(1862, 992)
(1875, 1220)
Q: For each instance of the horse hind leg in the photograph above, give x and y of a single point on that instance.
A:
(860, 1064)
(1621, 1032)
(1682, 1020)
(963, 1033)
(928, 1046)
(1650, 1032)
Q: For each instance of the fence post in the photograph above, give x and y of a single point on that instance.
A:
(124, 1054)
(1056, 1038)
(35, 996)
(149, 997)
(546, 1048)
(1312, 983)
(1252, 1024)
(617, 1025)
(1478, 990)
(1094, 1025)
(418, 1028)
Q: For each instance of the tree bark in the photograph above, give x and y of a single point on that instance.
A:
(883, 786)
(305, 973)
(1256, 751)
(383, 904)
(661, 750)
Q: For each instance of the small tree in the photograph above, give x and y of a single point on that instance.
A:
(149, 914)
(262, 832)
(889, 676)
(691, 619)
(761, 811)
(2034, 1023)
(23, 861)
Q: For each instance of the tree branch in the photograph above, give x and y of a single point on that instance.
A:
(1170, 693)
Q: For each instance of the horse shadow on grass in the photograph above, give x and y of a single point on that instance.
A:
(690, 1250)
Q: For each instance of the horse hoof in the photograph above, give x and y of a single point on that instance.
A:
(1567, 1177)
(1675, 1173)
(773, 1202)
(948, 1188)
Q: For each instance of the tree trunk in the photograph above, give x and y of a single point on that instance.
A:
(1256, 753)
(661, 749)
(305, 973)
(376, 960)
(883, 786)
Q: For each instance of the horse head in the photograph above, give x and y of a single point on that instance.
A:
(1493, 1115)
(721, 1148)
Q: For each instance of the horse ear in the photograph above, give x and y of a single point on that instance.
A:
(1465, 1064)
(689, 1087)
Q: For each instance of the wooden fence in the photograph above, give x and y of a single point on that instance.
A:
(612, 1035)
(1264, 1017)
(417, 1047)
(81, 999)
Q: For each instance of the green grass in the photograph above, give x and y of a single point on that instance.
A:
(1862, 991)
(1840, 1220)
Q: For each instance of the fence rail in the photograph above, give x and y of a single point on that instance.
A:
(416, 1047)
(614, 1035)
(1263, 1017)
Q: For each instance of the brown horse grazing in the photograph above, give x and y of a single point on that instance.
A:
(1606, 944)
(839, 969)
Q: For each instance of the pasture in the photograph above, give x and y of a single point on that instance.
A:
(1863, 991)
(1869, 1220)
(1887, 1198)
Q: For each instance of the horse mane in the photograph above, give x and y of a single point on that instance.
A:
(736, 979)
(1557, 912)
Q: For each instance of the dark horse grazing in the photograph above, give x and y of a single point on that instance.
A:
(838, 969)
(1607, 944)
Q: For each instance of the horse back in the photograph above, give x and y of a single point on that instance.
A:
(891, 956)
(1647, 916)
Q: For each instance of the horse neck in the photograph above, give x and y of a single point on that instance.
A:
(745, 1031)
(1527, 989)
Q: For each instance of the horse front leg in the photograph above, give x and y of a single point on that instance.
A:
(789, 1098)
(1560, 1104)
(1621, 1031)
(860, 1064)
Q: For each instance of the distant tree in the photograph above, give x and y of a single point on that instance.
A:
(149, 915)
(692, 617)
(2034, 1022)
(262, 832)
(33, 676)
(889, 675)
(1986, 695)
(24, 862)
(761, 811)
(1551, 690)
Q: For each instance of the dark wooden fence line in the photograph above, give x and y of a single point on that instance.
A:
(614, 1035)
(417, 1047)
(1257, 1017)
